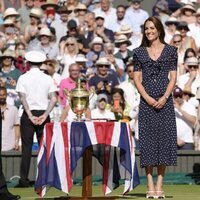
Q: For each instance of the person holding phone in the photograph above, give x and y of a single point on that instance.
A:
(119, 106)
(155, 72)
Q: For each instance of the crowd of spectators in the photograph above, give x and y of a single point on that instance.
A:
(93, 40)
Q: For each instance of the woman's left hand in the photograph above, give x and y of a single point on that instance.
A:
(160, 103)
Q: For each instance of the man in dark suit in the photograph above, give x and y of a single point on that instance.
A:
(4, 193)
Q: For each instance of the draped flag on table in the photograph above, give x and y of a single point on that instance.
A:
(64, 143)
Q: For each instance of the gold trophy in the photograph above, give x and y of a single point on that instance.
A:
(79, 100)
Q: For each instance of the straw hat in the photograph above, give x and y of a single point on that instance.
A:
(189, 7)
(36, 12)
(122, 39)
(102, 61)
(172, 20)
(81, 58)
(45, 31)
(8, 53)
(49, 3)
(125, 29)
(96, 40)
(80, 6)
(100, 15)
(197, 12)
(54, 63)
(8, 21)
(198, 93)
(35, 56)
(10, 12)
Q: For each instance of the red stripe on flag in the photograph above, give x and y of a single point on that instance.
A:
(49, 134)
(104, 132)
(64, 127)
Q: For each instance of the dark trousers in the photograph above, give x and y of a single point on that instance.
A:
(3, 187)
(27, 132)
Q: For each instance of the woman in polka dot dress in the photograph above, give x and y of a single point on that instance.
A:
(155, 65)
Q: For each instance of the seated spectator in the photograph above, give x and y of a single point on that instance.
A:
(69, 51)
(10, 123)
(20, 61)
(170, 29)
(117, 65)
(9, 75)
(52, 67)
(191, 79)
(186, 116)
(60, 24)
(32, 29)
(106, 34)
(134, 38)
(73, 31)
(124, 53)
(80, 12)
(24, 12)
(49, 8)
(119, 106)
(46, 44)
(106, 9)
(103, 81)
(10, 35)
(100, 112)
(69, 83)
(187, 41)
(116, 24)
(96, 52)
(188, 53)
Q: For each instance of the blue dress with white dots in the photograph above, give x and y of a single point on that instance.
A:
(157, 128)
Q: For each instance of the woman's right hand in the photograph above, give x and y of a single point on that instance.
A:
(151, 101)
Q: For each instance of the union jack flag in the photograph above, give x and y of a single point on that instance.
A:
(64, 143)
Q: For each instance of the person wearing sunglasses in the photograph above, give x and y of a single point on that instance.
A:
(186, 116)
(191, 79)
(103, 81)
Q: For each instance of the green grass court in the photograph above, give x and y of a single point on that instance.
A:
(176, 192)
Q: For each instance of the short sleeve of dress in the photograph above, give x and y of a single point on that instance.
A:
(136, 62)
(173, 58)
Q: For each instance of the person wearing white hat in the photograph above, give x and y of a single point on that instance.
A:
(187, 13)
(96, 51)
(100, 112)
(133, 37)
(37, 93)
(45, 44)
(103, 81)
(191, 79)
(170, 28)
(123, 53)
(32, 29)
(10, 75)
(24, 12)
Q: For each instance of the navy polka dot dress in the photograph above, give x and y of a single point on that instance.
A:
(157, 128)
